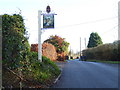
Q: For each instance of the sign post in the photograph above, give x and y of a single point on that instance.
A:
(48, 22)
(39, 37)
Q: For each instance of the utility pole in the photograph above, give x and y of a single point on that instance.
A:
(70, 52)
(80, 46)
(85, 43)
(119, 20)
(39, 37)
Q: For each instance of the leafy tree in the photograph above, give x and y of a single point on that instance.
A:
(15, 46)
(94, 40)
(60, 43)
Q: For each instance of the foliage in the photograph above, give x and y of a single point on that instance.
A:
(35, 74)
(34, 47)
(109, 52)
(94, 40)
(54, 68)
(60, 43)
(49, 51)
(18, 58)
(40, 72)
(15, 46)
(33, 56)
(61, 46)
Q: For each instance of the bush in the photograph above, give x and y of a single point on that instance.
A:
(54, 67)
(108, 52)
(34, 47)
(15, 46)
(49, 51)
(41, 71)
(17, 57)
(61, 46)
(35, 73)
(33, 56)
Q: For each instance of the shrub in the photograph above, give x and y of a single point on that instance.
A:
(34, 47)
(60, 44)
(109, 51)
(49, 51)
(15, 46)
(33, 56)
(53, 67)
(41, 71)
(18, 58)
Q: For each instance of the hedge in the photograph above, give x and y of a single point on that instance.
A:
(107, 52)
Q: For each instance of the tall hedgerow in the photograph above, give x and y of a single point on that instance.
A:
(19, 64)
(15, 46)
(109, 52)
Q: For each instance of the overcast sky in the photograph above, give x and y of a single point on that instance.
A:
(74, 19)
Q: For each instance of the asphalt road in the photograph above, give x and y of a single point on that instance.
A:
(81, 74)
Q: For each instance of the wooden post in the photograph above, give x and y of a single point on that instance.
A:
(39, 37)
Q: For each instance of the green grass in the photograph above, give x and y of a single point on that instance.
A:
(112, 62)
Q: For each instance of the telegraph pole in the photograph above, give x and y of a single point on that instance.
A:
(70, 52)
(80, 46)
(119, 20)
(85, 43)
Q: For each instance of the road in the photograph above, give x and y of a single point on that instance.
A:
(82, 74)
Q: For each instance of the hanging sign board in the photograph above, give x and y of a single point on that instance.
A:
(48, 21)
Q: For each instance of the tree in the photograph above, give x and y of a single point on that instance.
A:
(61, 46)
(60, 43)
(94, 40)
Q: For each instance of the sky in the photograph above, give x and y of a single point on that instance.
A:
(74, 19)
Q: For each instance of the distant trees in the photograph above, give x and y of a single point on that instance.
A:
(94, 40)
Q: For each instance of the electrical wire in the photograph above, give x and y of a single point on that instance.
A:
(89, 22)
(110, 30)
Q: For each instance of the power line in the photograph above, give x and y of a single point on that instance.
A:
(110, 30)
(88, 22)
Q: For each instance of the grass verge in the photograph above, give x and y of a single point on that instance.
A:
(111, 62)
